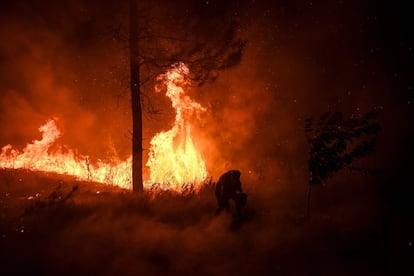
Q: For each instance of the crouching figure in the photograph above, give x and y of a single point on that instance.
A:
(229, 187)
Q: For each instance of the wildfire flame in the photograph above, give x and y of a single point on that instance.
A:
(37, 157)
(173, 159)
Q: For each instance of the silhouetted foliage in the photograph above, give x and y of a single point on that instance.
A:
(336, 142)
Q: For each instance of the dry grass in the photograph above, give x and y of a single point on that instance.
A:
(52, 226)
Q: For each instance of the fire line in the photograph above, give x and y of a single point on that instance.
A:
(173, 159)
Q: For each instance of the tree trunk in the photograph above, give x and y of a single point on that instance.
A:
(137, 184)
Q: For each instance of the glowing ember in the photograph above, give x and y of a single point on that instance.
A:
(36, 157)
(173, 159)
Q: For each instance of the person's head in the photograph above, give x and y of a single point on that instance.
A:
(235, 175)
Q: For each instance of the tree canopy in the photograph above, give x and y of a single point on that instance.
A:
(336, 142)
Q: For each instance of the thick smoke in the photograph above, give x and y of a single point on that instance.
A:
(68, 60)
(53, 67)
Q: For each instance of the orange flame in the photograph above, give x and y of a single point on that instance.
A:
(173, 159)
(36, 157)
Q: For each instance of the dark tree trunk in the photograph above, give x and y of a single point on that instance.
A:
(135, 100)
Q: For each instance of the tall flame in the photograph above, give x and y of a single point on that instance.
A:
(173, 159)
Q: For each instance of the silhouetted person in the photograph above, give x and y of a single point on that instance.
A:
(229, 187)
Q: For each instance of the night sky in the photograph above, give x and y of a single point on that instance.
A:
(68, 60)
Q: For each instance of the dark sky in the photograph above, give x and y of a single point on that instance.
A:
(62, 59)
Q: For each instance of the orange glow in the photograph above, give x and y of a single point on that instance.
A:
(37, 157)
(174, 160)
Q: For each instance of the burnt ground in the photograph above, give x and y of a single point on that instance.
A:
(54, 225)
